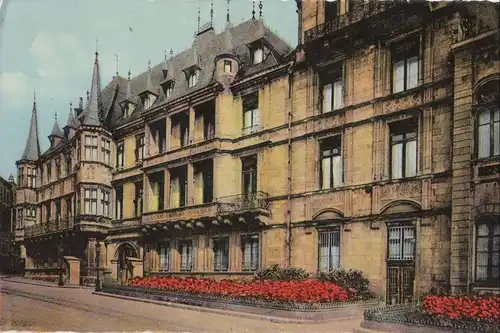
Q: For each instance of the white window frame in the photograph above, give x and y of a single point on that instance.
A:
(329, 250)
(403, 149)
(488, 132)
(105, 203)
(90, 201)
(91, 148)
(221, 255)
(31, 177)
(401, 243)
(331, 163)
(258, 55)
(193, 79)
(187, 257)
(228, 66)
(106, 151)
(250, 255)
(165, 256)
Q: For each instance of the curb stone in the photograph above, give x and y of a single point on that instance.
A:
(225, 312)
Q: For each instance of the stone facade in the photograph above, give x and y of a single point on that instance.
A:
(7, 194)
(324, 159)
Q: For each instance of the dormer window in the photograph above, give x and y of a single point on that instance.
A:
(193, 78)
(228, 66)
(128, 109)
(258, 55)
(168, 88)
(147, 101)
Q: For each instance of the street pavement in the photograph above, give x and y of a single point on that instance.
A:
(39, 307)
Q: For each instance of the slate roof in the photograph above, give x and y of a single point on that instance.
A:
(32, 148)
(103, 106)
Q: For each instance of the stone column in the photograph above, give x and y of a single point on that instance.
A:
(461, 178)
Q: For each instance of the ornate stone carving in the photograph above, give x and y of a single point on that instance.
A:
(177, 214)
(183, 153)
(327, 200)
(328, 122)
(402, 103)
(403, 190)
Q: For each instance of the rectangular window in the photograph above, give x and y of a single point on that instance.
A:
(58, 210)
(488, 132)
(186, 252)
(48, 213)
(258, 55)
(401, 243)
(119, 203)
(178, 188)
(78, 149)
(31, 177)
(164, 254)
(328, 250)
(139, 148)
(91, 148)
(49, 172)
(168, 88)
(221, 254)
(119, 155)
(403, 150)
(333, 90)
(331, 10)
(487, 251)
(251, 116)
(249, 173)
(138, 200)
(105, 203)
(106, 151)
(20, 177)
(331, 163)
(250, 248)
(158, 187)
(68, 208)
(67, 158)
(405, 65)
(228, 68)
(90, 201)
(58, 168)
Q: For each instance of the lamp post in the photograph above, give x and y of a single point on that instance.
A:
(61, 278)
(97, 259)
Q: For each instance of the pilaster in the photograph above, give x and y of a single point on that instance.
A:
(191, 124)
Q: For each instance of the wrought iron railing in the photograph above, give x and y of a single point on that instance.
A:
(49, 227)
(243, 202)
(362, 12)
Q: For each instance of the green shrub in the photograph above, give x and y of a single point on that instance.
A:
(352, 280)
(275, 272)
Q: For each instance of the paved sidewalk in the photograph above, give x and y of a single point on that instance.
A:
(19, 279)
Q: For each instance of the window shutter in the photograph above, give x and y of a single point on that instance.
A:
(398, 77)
(198, 181)
(338, 95)
(327, 98)
(175, 192)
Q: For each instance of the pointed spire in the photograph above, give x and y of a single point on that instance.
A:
(227, 44)
(32, 148)
(71, 123)
(92, 113)
(192, 59)
(56, 130)
(168, 70)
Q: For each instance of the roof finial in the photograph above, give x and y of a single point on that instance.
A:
(129, 74)
(227, 15)
(212, 12)
(199, 17)
(253, 10)
(149, 64)
(96, 47)
(55, 115)
(165, 54)
(88, 95)
(34, 96)
(171, 53)
(260, 9)
(116, 56)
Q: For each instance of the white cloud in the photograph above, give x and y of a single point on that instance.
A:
(14, 83)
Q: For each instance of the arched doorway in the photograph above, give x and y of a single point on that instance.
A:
(124, 269)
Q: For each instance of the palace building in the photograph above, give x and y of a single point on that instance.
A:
(373, 145)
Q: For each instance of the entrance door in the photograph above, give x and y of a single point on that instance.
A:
(124, 270)
(400, 264)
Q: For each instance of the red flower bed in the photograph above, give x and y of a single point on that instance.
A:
(308, 291)
(463, 307)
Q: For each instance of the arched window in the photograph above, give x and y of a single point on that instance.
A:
(488, 250)
(488, 120)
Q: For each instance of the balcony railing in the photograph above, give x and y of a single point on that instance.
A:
(48, 227)
(243, 202)
(358, 14)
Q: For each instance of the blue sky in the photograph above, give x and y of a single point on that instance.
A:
(49, 45)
